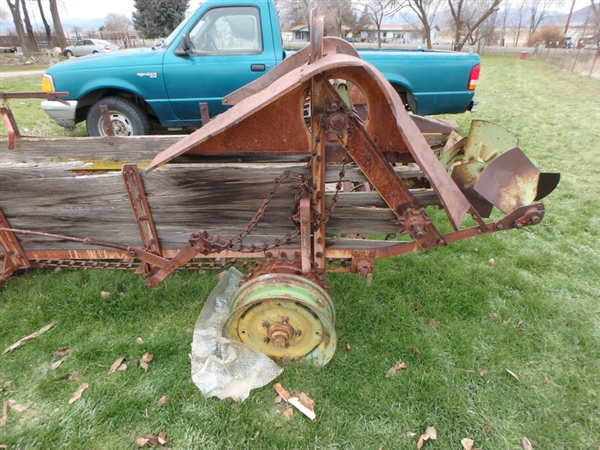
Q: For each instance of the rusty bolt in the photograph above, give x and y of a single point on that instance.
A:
(337, 121)
(418, 230)
(533, 217)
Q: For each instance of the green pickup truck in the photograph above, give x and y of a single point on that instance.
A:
(217, 49)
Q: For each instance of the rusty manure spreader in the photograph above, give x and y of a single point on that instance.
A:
(318, 151)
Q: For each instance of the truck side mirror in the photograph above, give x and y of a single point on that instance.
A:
(186, 48)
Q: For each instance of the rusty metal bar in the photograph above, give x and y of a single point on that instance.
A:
(141, 211)
(14, 256)
(318, 169)
(305, 235)
(43, 95)
(204, 115)
(108, 128)
(11, 126)
(393, 191)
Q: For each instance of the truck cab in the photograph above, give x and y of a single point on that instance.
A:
(214, 51)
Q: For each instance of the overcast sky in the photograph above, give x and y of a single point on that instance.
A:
(99, 8)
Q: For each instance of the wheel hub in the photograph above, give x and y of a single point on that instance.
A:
(284, 316)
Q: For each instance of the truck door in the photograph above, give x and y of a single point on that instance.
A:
(224, 50)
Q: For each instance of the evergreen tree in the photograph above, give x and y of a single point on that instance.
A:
(157, 18)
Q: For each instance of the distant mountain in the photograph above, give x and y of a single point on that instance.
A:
(82, 24)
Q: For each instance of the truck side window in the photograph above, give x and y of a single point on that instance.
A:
(228, 30)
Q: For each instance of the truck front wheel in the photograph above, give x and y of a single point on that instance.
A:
(126, 116)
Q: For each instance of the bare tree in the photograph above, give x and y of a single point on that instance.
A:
(519, 24)
(15, 11)
(296, 12)
(538, 12)
(426, 11)
(46, 25)
(33, 44)
(117, 22)
(504, 20)
(486, 33)
(339, 13)
(58, 28)
(468, 17)
(378, 9)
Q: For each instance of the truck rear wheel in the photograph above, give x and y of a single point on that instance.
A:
(126, 116)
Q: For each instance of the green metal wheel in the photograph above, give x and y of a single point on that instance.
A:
(284, 316)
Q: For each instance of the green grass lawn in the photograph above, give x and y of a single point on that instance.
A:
(458, 323)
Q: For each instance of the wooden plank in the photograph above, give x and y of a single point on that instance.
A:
(221, 198)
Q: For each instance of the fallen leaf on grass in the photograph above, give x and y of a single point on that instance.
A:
(467, 443)
(488, 427)
(299, 400)
(62, 351)
(398, 366)
(430, 433)
(139, 340)
(3, 446)
(115, 366)
(105, 295)
(56, 364)
(141, 441)
(162, 439)
(492, 262)
(151, 440)
(526, 444)
(164, 399)
(513, 375)
(288, 413)
(16, 406)
(145, 360)
(29, 337)
(77, 394)
(347, 346)
(256, 434)
(409, 434)
(483, 372)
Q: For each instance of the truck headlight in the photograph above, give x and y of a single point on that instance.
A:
(47, 83)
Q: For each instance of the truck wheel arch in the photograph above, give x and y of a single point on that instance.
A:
(408, 99)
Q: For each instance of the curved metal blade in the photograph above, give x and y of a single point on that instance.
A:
(509, 181)
(548, 182)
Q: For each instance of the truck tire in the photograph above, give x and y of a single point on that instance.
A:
(126, 116)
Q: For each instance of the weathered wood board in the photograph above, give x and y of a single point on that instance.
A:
(46, 186)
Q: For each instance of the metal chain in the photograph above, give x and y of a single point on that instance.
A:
(236, 243)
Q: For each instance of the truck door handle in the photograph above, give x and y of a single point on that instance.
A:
(257, 67)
